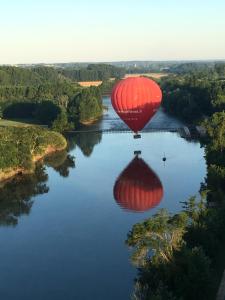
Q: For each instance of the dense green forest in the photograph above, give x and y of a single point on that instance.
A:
(20, 147)
(45, 95)
(181, 256)
(207, 69)
(193, 96)
(94, 72)
(39, 75)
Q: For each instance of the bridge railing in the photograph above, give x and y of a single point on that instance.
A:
(184, 131)
(125, 130)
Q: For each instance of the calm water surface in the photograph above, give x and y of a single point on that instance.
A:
(62, 232)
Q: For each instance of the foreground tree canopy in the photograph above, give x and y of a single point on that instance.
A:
(195, 94)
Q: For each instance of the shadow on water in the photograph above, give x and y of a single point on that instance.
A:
(17, 195)
(138, 188)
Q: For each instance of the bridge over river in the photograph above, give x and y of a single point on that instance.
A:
(161, 122)
(185, 131)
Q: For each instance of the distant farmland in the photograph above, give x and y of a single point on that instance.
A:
(97, 83)
(153, 75)
(89, 83)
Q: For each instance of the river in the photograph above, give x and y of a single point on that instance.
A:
(63, 230)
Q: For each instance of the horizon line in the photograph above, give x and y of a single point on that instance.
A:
(116, 61)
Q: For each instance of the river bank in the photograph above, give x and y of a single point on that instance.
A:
(21, 148)
(8, 174)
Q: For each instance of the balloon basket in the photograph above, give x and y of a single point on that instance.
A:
(137, 136)
(136, 153)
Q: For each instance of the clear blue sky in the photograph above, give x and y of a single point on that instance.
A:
(109, 30)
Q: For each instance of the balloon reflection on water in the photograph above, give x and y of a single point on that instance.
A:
(138, 188)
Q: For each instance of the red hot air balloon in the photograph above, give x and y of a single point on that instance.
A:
(136, 100)
(138, 188)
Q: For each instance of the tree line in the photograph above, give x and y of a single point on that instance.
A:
(39, 75)
(94, 72)
(191, 97)
(201, 69)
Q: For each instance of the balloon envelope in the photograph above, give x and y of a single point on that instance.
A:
(136, 100)
(138, 188)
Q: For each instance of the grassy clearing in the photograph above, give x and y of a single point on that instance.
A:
(9, 123)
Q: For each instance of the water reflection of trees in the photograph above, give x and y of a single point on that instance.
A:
(138, 188)
(16, 195)
(86, 141)
(61, 162)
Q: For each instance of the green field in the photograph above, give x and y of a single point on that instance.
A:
(4, 122)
